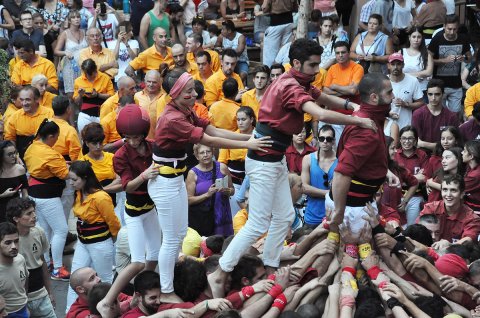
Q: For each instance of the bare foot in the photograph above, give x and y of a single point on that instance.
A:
(105, 309)
(217, 280)
(170, 298)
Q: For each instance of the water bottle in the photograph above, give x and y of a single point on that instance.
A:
(126, 6)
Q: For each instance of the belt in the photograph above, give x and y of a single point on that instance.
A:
(169, 170)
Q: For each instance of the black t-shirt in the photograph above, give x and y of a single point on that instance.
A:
(36, 37)
(441, 48)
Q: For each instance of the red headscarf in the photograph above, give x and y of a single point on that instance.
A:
(452, 265)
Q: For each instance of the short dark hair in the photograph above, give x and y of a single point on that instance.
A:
(229, 25)
(419, 233)
(326, 18)
(452, 18)
(145, 281)
(24, 43)
(302, 49)
(215, 243)
(7, 228)
(211, 263)
(341, 44)
(261, 69)
(97, 293)
(376, 16)
(199, 20)
(190, 279)
(60, 105)
(432, 306)
(93, 132)
(214, 29)
(429, 218)
(26, 12)
(230, 88)
(229, 52)
(473, 148)
(89, 66)
(176, 8)
(34, 90)
(199, 89)
(371, 83)
(408, 128)
(17, 206)
(456, 178)
(277, 66)
(205, 53)
(435, 82)
(246, 267)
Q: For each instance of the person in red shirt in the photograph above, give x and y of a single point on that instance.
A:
(82, 281)
(281, 115)
(296, 151)
(362, 156)
(458, 223)
(471, 158)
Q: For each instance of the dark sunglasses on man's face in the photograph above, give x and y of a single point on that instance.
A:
(322, 139)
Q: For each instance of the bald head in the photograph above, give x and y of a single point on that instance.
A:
(179, 56)
(160, 37)
(153, 82)
(152, 74)
(83, 279)
(94, 37)
(126, 86)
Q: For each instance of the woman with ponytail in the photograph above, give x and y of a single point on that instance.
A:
(177, 127)
(48, 172)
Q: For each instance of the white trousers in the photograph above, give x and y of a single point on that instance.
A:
(98, 256)
(234, 207)
(51, 219)
(275, 37)
(171, 201)
(143, 233)
(68, 198)
(270, 209)
(84, 119)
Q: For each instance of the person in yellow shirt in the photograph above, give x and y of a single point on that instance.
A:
(180, 60)
(103, 57)
(472, 96)
(223, 114)
(235, 158)
(48, 172)
(40, 82)
(97, 224)
(254, 96)
(199, 108)
(151, 58)
(31, 64)
(204, 63)
(149, 96)
(91, 89)
(213, 85)
(113, 141)
(126, 87)
(23, 124)
(13, 106)
(194, 45)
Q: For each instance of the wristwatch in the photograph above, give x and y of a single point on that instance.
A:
(345, 105)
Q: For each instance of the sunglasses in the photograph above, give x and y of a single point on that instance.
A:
(325, 178)
(323, 139)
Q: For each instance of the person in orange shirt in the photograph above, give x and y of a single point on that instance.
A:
(254, 96)
(113, 141)
(204, 63)
(40, 82)
(31, 64)
(199, 108)
(213, 85)
(194, 45)
(48, 172)
(23, 124)
(154, 56)
(126, 87)
(223, 114)
(180, 60)
(103, 57)
(13, 106)
(91, 89)
(148, 98)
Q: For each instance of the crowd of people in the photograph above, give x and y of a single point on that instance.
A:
(343, 182)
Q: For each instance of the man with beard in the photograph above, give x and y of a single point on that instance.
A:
(147, 291)
(281, 115)
(254, 96)
(406, 89)
(180, 60)
(362, 156)
(194, 45)
(13, 272)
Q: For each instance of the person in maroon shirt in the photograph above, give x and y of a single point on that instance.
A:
(362, 156)
(296, 151)
(470, 130)
(431, 118)
(458, 223)
(281, 115)
(450, 137)
(471, 157)
(176, 128)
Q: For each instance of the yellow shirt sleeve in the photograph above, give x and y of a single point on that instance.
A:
(51, 75)
(105, 207)
(223, 155)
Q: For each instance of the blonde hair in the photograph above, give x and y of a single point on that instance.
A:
(39, 78)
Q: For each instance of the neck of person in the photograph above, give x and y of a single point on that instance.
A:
(398, 78)
(409, 152)
(156, 8)
(435, 108)
(206, 74)
(248, 131)
(33, 60)
(96, 48)
(326, 153)
(299, 147)
(152, 95)
(5, 260)
(63, 117)
(206, 167)
(23, 230)
(259, 92)
(453, 209)
(6, 166)
(33, 110)
(95, 157)
(325, 36)
(160, 49)
(28, 30)
(74, 27)
(374, 34)
(472, 164)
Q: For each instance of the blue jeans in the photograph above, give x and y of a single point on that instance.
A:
(22, 313)
(41, 308)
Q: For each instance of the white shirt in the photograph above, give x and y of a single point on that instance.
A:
(123, 56)
(108, 26)
(402, 16)
(408, 90)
